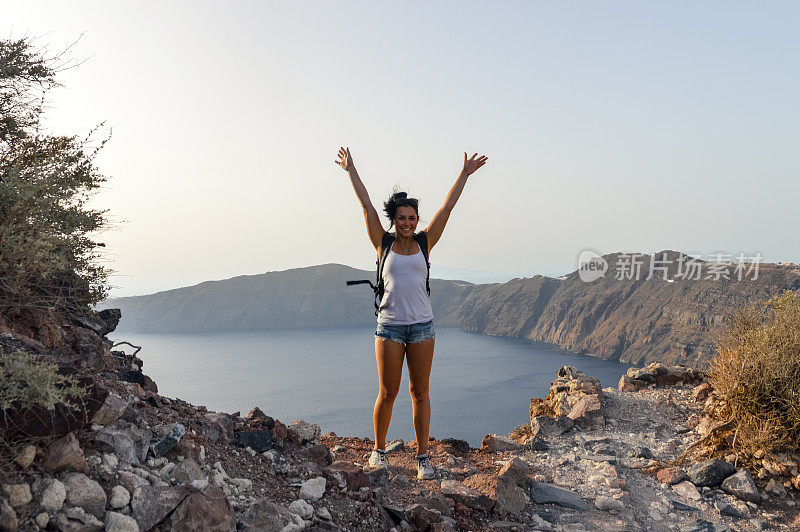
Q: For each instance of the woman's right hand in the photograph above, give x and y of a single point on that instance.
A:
(345, 159)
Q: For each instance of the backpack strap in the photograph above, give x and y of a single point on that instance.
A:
(422, 240)
(386, 246)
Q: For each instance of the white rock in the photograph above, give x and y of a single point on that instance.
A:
(218, 467)
(52, 494)
(200, 484)
(301, 508)
(607, 503)
(110, 460)
(217, 478)
(244, 484)
(42, 519)
(307, 432)
(18, 494)
(120, 497)
(117, 522)
(687, 489)
(313, 489)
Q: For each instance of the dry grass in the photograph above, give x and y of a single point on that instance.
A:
(756, 373)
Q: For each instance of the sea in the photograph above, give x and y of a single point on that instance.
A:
(479, 384)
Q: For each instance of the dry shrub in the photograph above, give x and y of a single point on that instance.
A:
(26, 381)
(756, 372)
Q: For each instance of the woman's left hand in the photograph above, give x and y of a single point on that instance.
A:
(472, 164)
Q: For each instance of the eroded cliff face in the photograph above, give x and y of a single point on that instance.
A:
(636, 321)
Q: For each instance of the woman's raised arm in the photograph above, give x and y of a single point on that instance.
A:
(374, 227)
(436, 227)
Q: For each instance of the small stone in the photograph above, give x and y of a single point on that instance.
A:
(324, 513)
(244, 484)
(306, 432)
(169, 441)
(741, 485)
(710, 473)
(396, 445)
(42, 519)
(607, 503)
(86, 493)
(117, 522)
(65, 454)
(301, 508)
(493, 443)
(313, 489)
(25, 458)
(643, 452)
(671, 475)
(8, 517)
(120, 497)
(18, 494)
(775, 488)
(687, 489)
(77, 518)
(51, 495)
(187, 472)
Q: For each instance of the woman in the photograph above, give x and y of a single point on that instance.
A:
(405, 319)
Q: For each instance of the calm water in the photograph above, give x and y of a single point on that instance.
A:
(479, 384)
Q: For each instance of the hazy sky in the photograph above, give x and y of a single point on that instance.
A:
(619, 126)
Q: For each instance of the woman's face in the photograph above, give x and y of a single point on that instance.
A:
(405, 220)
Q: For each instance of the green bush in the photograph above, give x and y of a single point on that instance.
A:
(48, 258)
(26, 382)
(756, 373)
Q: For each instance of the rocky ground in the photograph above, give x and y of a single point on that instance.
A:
(590, 459)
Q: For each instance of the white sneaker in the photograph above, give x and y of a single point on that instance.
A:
(424, 469)
(378, 459)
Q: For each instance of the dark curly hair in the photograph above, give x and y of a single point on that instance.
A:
(399, 199)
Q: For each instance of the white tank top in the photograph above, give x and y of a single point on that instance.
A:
(405, 300)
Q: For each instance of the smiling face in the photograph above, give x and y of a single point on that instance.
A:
(405, 220)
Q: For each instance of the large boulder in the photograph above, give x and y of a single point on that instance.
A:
(507, 497)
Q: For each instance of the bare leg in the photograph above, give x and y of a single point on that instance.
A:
(419, 357)
(389, 357)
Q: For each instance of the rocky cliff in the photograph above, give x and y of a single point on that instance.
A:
(632, 320)
(133, 460)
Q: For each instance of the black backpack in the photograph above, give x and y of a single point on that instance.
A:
(386, 245)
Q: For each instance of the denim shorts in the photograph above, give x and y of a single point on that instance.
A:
(407, 334)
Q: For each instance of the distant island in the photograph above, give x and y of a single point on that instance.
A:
(635, 321)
